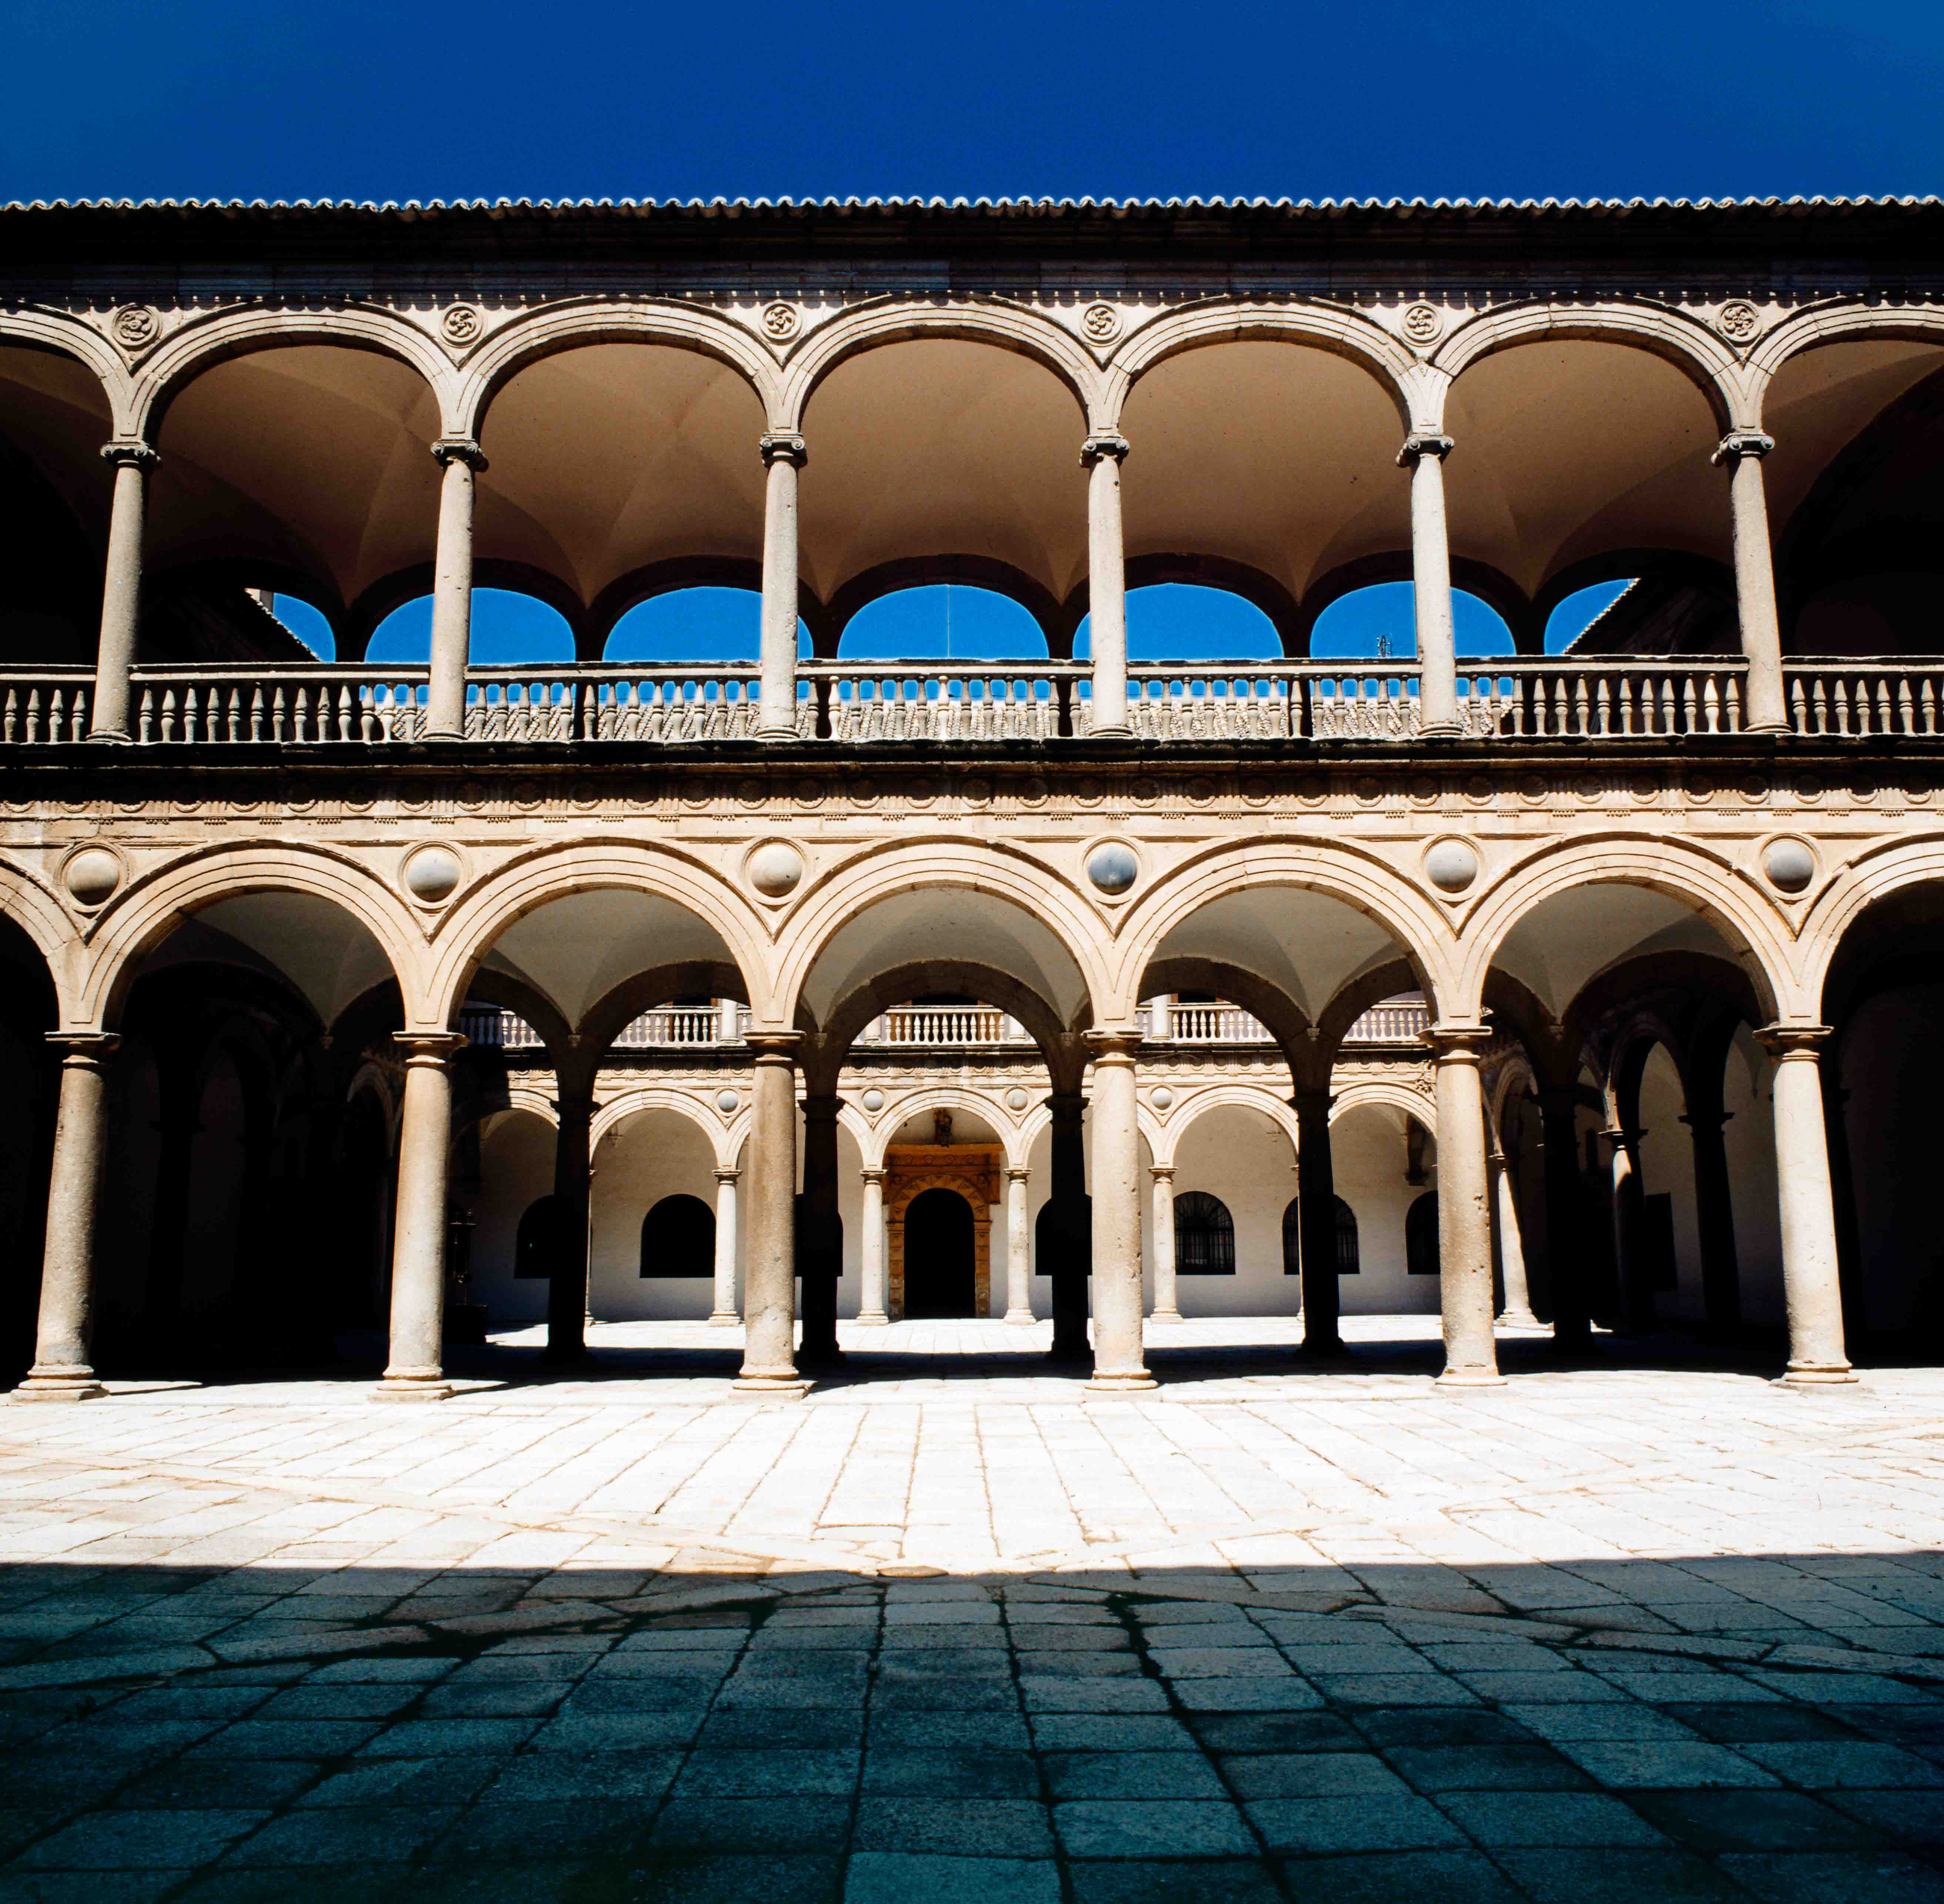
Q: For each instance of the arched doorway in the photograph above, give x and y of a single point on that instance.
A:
(940, 1280)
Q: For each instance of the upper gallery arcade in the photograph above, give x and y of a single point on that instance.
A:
(1709, 817)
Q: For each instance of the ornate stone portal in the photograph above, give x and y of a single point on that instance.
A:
(972, 1171)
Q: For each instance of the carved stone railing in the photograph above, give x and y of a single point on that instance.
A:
(1560, 698)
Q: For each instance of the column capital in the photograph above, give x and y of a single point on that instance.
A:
(1624, 1136)
(871, 1175)
(1423, 443)
(130, 452)
(1740, 443)
(1161, 1172)
(727, 1176)
(458, 449)
(1312, 1103)
(1457, 1043)
(774, 1047)
(783, 446)
(1102, 446)
(1710, 1119)
(1018, 1172)
(1114, 1047)
(1783, 1042)
(430, 1048)
(85, 1047)
(821, 1108)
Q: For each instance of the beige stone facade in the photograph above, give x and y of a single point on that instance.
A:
(290, 882)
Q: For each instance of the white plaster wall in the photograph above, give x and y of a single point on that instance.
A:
(1667, 1169)
(1368, 1157)
(642, 1159)
(515, 1169)
(1749, 1096)
(1244, 1157)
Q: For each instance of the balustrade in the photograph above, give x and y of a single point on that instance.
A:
(1561, 698)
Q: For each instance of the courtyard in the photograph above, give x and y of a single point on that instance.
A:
(1649, 1625)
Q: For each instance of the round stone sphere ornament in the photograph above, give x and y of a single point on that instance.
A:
(92, 875)
(727, 1101)
(1161, 1097)
(1112, 867)
(775, 869)
(1789, 865)
(1016, 1099)
(1451, 865)
(432, 874)
(873, 1101)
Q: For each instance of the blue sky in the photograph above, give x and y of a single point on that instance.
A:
(1517, 98)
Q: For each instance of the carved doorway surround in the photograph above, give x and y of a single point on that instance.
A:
(974, 1171)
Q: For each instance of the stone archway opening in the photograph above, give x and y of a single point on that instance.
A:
(938, 1257)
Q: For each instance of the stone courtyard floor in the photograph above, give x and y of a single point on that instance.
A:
(949, 1630)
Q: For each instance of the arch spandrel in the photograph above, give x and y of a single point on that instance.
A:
(1843, 898)
(1052, 914)
(205, 342)
(1840, 322)
(54, 933)
(481, 912)
(1359, 880)
(1014, 328)
(154, 903)
(1754, 932)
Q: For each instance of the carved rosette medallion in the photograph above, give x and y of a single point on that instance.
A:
(1738, 321)
(1101, 324)
(461, 326)
(781, 322)
(135, 326)
(1423, 324)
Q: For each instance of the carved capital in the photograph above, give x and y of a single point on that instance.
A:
(137, 455)
(1739, 443)
(458, 449)
(1420, 444)
(1784, 1042)
(783, 446)
(1114, 1047)
(1106, 444)
(729, 1176)
(1161, 1172)
(92, 1049)
(1458, 1044)
(430, 1048)
(773, 1047)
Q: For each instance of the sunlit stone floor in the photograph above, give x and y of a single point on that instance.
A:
(950, 1628)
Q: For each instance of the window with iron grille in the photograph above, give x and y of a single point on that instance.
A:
(1205, 1236)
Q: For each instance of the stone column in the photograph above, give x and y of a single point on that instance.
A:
(1565, 1252)
(823, 1245)
(1106, 583)
(1764, 708)
(1424, 456)
(1117, 1365)
(1811, 1280)
(725, 1310)
(1517, 1313)
(1167, 1301)
(1464, 1221)
(567, 1276)
(1630, 1262)
(1316, 1227)
(121, 591)
(1843, 1197)
(452, 590)
(416, 1371)
(1714, 1217)
(1072, 1250)
(872, 1250)
(783, 455)
(769, 1257)
(61, 1369)
(1019, 1246)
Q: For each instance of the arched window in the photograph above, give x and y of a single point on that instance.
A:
(1420, 1235)
(1348, 1261)
(533, 1244)
(678, 1238)
(1292, 1238)
(1205, 1236)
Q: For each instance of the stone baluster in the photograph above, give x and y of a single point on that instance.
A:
(1423, 455)
(416, 1371)
(783, 455)
(1464, 1218)
(769, 1256)
(121, 590)
(723, 1310)
(1019, 1246)
(63, 1370)
(452, 590)
(1118, 1363)
(1166, 1296)
(1102, 456)
(871, 1251)
(1811, 1276)
(1741, 450)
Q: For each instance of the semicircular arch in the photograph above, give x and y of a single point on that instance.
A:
(639, 1099)
(1390, 1095)
(30, 328)
(1190, 1106)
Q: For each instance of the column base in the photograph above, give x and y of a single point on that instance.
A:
(1441, 730)
(1021, 1318)
(58, 1384)
(1163, 1316)
(1470, 1378)
(1810, 1374)
(880, 1321)
(724, 1318)
(1120, 1382)
(413, 1388)
(776, 1385)
(1120, 731)
(775, 733)
(1518, 1319)
(117, 735)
